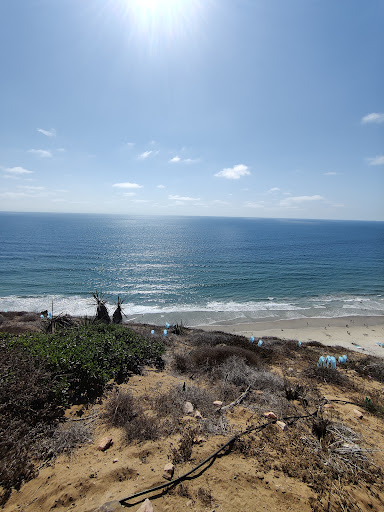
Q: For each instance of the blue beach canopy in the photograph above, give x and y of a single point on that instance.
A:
(251, 339)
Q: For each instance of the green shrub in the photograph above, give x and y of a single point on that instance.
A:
(86, 357)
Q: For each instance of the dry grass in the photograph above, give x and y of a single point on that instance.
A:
(123, 410)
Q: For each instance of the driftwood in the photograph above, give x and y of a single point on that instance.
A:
(237, 401)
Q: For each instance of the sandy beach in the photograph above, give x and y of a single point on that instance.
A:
(360, 333)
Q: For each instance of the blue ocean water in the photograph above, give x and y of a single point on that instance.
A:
(196, 269)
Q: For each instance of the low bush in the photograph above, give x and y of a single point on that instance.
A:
(328, 376)
(370, 366)
(120, 408)
(235, 370)
(183, 452)
(29, 408)
(207, 358)
(123, 410)
(171, 403)
(87, 356)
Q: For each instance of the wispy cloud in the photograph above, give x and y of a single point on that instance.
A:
(294, 200)
(273, 189)
(42, 153)
(47, 133)
(183, 198)
(31, 188)
(129, 194)
(127, 184)
(220, 202)
(377, 160)
(13, 195)
(233, 173)
(330, 173)
(251, 204)
(160, 186)
(17, 170)
(129, 144)
(176, 159)
(374, 117)
(146, 154)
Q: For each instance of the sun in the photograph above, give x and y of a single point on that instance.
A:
(154, 18)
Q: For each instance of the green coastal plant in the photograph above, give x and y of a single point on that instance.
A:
(86, 357)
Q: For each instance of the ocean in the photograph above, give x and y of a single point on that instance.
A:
(195, 270)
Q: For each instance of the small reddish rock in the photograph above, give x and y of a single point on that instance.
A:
(105, 443)
(282, 425)
(328, 406)
(168, 471)
(270, 415)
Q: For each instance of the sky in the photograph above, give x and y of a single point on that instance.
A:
(244, 108)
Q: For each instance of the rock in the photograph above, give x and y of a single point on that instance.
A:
(199, 440)
(168, 471)
(188, 408)
(358, 414)
(270, 415)
(282, 425)
(328, 406)
(198, 415)
(218, 404)
(146, 506)
(105, 443)
(260, 475)
(115, 460)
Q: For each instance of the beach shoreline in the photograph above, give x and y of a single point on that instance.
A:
(359, 333)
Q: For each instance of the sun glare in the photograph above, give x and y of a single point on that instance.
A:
(158, 18)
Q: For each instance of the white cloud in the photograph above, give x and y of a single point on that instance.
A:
(129, 194)
(374, 117)
(127, 185)
(144, 155)
(160, 186)
(176, 159)
(233, 173)
(140, 201)
(272, 190)
(183, 198)
(60, 150)
(129, 144)
(331, 173)
(48, 133)
(377, 160)
(300, 199)
(42, 153)
(17, 170)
